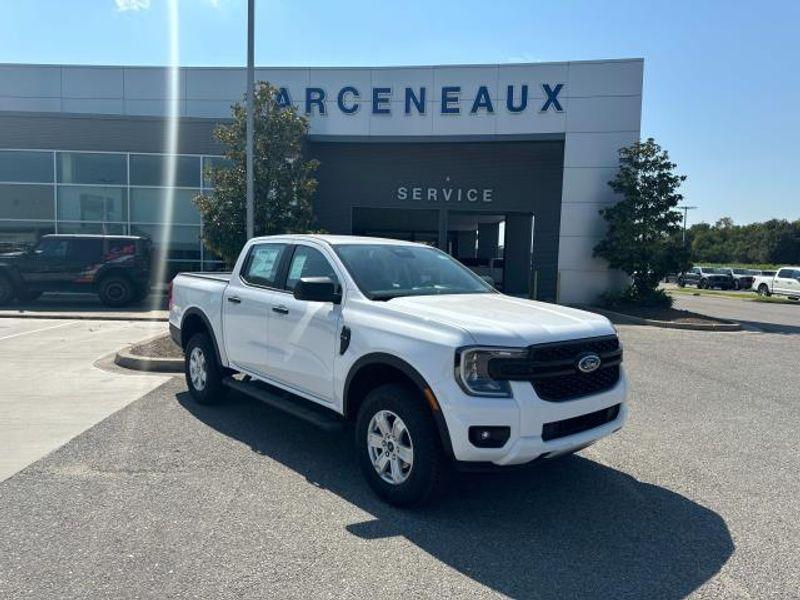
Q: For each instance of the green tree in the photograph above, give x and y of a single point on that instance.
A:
(283, 178)
(640, 237)
(776, 241)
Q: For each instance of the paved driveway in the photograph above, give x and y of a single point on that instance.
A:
(766, 316)
(50, 389)
(699, 495)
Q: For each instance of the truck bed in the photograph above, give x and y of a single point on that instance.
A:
(223, 276)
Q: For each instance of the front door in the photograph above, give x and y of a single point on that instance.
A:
(46, 269)
(246, 306)
(785, 282)
(303, 334)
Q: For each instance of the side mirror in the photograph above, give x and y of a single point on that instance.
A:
(316, 289)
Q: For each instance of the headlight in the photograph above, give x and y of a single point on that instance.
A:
(472, 371)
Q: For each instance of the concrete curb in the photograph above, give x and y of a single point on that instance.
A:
(631, 320)
(125, 359)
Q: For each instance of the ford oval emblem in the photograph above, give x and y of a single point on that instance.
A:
(589, 363)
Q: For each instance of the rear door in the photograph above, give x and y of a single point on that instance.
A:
(84, 259)
(246, 306)
(303, 334)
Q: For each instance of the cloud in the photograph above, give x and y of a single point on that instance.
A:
(126, 5)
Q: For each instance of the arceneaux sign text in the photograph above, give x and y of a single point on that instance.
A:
(416, 100)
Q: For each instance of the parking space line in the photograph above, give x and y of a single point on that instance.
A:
(21, 333)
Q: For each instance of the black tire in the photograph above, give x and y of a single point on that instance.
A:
(702, 284)
(6, 290)
(736, 285)
(429, 474)
(116, 291)
(763, 290)
(28, 295)
(681, 282)
(212, 392)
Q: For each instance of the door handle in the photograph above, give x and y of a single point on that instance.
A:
(235, 299)
(280, 309)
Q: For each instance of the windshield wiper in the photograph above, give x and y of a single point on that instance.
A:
(383, 296)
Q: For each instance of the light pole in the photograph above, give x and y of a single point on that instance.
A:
(685, 210)
(251, 9)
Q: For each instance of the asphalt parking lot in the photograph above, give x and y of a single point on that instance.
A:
(699, 495)
(764, 316)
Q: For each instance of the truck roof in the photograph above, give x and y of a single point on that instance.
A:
(335, 240)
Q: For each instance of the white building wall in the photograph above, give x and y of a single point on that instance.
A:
(604, 115)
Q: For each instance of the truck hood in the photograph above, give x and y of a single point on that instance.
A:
(500, 320)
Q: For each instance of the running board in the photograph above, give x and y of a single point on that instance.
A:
(293, 405)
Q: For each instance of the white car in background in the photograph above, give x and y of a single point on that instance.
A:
(785, 282)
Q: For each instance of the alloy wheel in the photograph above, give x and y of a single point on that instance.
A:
(390, 448)
(198, 369)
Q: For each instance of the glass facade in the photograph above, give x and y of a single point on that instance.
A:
(105, 192)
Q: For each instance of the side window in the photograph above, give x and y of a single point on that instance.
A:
(85, 251)
(308, 262)
(51, 248)
(785, 274)
(696, 270)
(263, 263)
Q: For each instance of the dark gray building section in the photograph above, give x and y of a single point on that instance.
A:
(104, 133)
(370, 188)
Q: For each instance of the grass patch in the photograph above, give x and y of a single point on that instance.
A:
(723, 293)
(735, 265)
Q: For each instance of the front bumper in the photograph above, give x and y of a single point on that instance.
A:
(525, 414)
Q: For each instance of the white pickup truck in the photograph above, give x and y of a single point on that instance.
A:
(433, 366)
(785, 282)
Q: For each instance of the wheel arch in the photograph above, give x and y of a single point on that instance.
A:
(372, 370)
(106, 271)
(195, 321)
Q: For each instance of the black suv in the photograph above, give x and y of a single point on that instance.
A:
(115, 267)
(706, 277)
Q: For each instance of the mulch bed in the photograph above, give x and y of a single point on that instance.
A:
(672, 315)
(162, 347)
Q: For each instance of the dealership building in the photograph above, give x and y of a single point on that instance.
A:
(503, 166)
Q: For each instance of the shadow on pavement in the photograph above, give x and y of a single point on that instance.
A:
(51, 302)
(567, 528)
(772, 327)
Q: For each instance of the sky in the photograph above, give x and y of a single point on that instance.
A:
(721, 83)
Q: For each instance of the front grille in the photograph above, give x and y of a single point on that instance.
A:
(569, 387)
(559, 429)
(552, 368)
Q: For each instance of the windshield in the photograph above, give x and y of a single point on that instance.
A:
(716, 271)
(386, 271)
